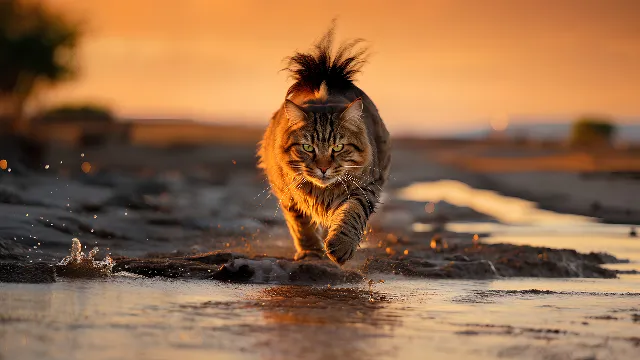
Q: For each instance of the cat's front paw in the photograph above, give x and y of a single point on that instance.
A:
(308, 254)
(340, 249)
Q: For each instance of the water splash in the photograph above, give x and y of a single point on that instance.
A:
(79, 265)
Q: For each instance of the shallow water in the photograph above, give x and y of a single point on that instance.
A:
(159, 319)
(522, 223)
(505, 209)
(128, 317)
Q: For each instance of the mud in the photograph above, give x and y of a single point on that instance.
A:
(27, 273)
(231, 267)
(486, 261)
(399, 257)
(202, 264)
(183, 220)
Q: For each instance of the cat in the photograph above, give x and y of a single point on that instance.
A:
(326, 151)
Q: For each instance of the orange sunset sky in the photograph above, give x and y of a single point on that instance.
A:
(437, 65)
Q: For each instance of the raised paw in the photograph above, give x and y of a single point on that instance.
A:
(307, 254)
(340, 249)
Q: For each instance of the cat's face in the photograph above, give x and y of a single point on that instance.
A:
(325, 146)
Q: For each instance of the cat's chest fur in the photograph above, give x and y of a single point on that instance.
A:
(319, 202)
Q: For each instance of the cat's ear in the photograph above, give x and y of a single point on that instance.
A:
(353, 113)
(294, 112)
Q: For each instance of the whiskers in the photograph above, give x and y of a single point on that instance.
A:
(359, 184)
(296, 183)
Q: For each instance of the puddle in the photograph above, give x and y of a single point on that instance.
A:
(124, 316)
(169, 319)
(522, 223)
(507, 210)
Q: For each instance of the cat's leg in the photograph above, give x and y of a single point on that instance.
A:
(305, 235)
(348, 224)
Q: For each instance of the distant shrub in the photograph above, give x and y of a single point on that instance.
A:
(592, 131)
(76, 113)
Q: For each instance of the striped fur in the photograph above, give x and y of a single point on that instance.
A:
(326, 211)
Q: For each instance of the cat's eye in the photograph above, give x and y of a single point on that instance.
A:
(307, 147)
(338, 148)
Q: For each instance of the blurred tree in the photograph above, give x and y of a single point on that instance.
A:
(36, 49)
(592, 131)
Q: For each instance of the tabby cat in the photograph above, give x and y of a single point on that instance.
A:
(326, 152)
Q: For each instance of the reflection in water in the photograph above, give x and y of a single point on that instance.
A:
(321, 305)
(324, 322)
(522, 223)
(159, 319)
(508, 210)
(137, 318)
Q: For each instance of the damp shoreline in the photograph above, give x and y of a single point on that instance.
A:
(201, 264)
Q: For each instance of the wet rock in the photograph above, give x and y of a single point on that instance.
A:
(319, 272)
(216, 258)
(528, 261)
(627, 272)
(388, 266)
(170, 268)
(239, 269)
(510, 267)
(481, 269)
(242, 273)
(22, 273)
(457, 257)
(284, 271)
(601, 258)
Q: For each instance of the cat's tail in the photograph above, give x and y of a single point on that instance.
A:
(310, 69)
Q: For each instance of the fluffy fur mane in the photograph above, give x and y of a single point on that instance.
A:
(319, 65)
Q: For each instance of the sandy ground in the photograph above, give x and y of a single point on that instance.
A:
(599, 183)
(202, 266)
(156, 210)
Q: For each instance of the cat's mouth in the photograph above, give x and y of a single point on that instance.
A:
(322, 180)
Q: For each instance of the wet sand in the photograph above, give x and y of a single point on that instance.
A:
(139, 318)
(591, 182)
(203, 266)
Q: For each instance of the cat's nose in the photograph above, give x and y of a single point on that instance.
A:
(323, 169)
